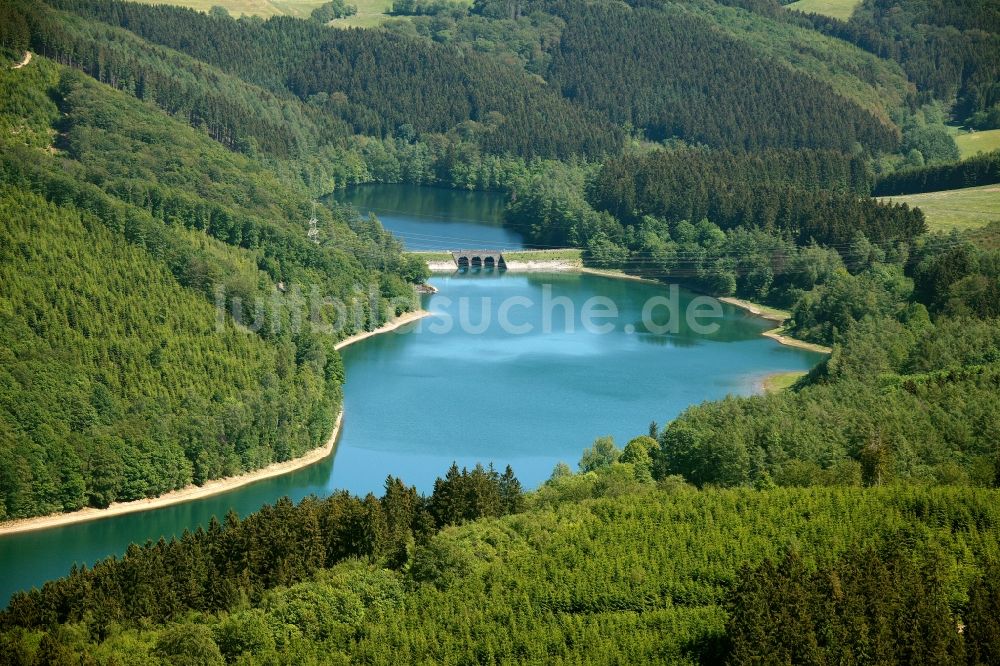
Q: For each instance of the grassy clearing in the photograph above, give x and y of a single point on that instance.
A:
(433, 256)
(781, 381)
(838, 9)
(970, 143)
(264, 8)
(370, 14)
(568, 254)
(969, 208)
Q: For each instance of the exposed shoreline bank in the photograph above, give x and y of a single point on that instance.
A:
(401, 320)
(215, 486)
(787, 340)
(776, 334)
(186, 494)
(773, 314)
(618, 275)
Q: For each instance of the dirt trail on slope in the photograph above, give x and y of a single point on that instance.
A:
(24, 61)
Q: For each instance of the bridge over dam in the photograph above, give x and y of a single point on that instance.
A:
(479, 259)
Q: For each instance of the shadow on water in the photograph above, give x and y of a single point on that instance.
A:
(549, 393)
(433, 218)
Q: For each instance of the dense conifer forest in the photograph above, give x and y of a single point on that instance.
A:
(117, 394)
(948, 49)
(503, 107)
(659, 57)
(158, 168)
(600, 565)
(978, 170)
(374, 81)
(94, 413)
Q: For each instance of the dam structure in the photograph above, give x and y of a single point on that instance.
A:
(479, 259)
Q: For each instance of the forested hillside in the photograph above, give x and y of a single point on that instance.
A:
(374, 81)
(116, 384)
(914, 402)
(602, 566)
(772, 227)
(378, 81)
(877, 84)
(804, 194)
(949, 49)
(645, 65)
(158, 168)
(659, 57)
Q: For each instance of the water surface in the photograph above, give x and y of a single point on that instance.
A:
(432, 218)
(416, 400)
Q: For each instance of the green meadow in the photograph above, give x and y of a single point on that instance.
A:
(968, 208)
(970, 143)
(264, 8)
(839, 9)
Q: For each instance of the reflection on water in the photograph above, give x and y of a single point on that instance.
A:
(664, 339)
(431, 218)
(542, 395)
(419, 398)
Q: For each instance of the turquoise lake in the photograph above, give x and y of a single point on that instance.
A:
(485, 390)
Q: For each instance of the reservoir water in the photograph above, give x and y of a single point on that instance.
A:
(432, 218)
(503, 371)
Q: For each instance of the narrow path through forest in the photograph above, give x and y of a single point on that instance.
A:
(24, 61)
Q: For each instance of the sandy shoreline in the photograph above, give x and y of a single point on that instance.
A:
(755, 309)
(215, 486)
(777, 335)
(401, 320)
(186, 494)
